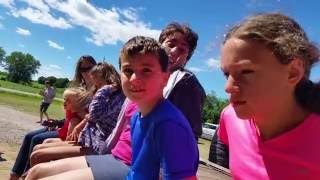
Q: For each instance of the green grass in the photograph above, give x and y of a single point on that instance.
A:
(30, 104)
(34, 87)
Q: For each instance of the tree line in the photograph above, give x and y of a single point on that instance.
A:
(21, 67)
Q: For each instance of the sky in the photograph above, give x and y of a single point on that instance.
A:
(58, 32)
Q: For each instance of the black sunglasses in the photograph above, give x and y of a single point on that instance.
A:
(85, 69)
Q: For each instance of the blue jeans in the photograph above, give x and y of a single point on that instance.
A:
(30, 140)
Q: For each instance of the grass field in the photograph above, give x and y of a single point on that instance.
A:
(32, 88)
(30, 104)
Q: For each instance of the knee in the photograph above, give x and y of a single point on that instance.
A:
(37, 157)
(28, 137)
(35, 172)
(37, 147)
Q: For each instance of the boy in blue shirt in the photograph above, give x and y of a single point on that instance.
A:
(161, 135)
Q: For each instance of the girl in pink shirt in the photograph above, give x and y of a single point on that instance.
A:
(272, 124)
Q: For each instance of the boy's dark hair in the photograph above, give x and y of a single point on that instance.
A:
(287, 40)
(140, 45)
(190, 35)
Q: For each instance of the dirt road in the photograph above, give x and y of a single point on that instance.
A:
(13, 126)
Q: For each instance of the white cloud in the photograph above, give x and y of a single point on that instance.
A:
(41, 17)
(54, 66)
(196, 69)
(55, 45)
(106, 26)
(213, 63)
(51, 70)
(38, 5)
(7, 3)
(24, 32)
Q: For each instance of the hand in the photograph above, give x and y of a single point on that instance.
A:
(74, 135)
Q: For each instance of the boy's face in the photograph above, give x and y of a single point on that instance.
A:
(142, 79)
(177, 49)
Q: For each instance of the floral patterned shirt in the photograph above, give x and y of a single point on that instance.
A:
(103, 113)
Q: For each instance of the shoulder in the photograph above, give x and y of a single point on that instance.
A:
(167, 112)
(190, 81)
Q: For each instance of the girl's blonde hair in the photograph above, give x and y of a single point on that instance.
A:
(79, 98)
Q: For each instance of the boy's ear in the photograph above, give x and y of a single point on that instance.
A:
(166, 76)
(295, 71)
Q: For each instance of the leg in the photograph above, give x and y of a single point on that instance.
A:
(54, 153)
(50, 140)
(57, 167)
(45, 108)
(41, 111)
(38, 139)
(115, 169)
(46, 114)
(79, 174)
(53, 144)
(22, 157)
(41, 117)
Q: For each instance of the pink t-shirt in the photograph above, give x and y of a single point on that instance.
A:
(122, 149)
(292, 155)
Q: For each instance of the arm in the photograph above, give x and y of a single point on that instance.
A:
(188, 96)
(97, 108)
(178, 151)
(219, 152)
(73, 123)
(74, 135)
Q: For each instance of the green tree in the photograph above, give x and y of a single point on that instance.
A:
(21, 67)
(2, 56)
(213, 107)
(41, 80)
(61, 82)
(52, 79)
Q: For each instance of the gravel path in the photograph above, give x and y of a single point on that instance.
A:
(15, 124)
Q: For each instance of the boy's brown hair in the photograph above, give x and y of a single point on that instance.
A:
(140, 45)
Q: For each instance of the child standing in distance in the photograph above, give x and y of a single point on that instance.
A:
(272, 124)
(48, 95)
(161, 136)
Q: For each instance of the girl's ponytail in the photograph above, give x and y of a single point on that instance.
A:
(308, 95)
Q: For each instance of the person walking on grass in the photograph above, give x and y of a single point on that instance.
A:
(48, 94)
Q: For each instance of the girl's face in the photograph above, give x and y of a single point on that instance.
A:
(257, 83)
(84, 69)
(97, 79)
(67, 104)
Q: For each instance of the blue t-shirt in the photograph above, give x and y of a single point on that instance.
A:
(163, 139)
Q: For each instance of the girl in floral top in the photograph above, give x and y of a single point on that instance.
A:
(104, 108)
(103, 112)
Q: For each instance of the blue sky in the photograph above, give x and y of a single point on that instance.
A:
(58, 32)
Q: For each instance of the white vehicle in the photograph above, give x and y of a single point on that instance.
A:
(208, 130)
